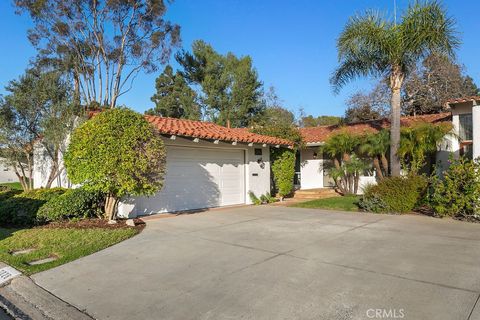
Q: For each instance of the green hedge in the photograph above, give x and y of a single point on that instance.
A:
(7, 194)
(21, 209)
(283, 169)
(394, 194)
(457, 194)
(73, 204)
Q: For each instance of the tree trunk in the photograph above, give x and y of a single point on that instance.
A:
(396, 80)
(378, 169)
(356, 182)
(55, 169)
(384, 164)
(111, 203)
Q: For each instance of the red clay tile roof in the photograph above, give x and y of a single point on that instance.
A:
(463, 99)
(208, 130)
(322, 133)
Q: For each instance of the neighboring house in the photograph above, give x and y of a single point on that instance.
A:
(466, 123)
(6, 173)
(311, 169)
(208, 165)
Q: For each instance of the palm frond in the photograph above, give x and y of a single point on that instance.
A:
(362, 48)
(427, 28)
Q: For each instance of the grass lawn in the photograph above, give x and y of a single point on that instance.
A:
(66, 244)
(13, 185)
(346, 203)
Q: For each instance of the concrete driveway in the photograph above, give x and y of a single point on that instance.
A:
(280, 263)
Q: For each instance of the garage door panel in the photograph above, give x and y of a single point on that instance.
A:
(199, 178)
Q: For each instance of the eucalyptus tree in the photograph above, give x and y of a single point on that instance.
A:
(103, 44)
(372, 45)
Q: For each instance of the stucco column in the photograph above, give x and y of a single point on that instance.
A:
(476, 130)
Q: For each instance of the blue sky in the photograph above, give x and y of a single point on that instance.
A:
(292, 44)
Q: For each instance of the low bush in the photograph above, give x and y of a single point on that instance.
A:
(254, 198)
(21, 209)
(267, 198)
(73, 204)
(457, 194)
(394, 194)
(7, 194)
(264, 198)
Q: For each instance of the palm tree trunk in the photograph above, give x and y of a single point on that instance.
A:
(396, 80)
(384, 164)
(378, 169)
(356, 182)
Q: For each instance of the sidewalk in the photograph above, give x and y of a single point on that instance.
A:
(21, 298)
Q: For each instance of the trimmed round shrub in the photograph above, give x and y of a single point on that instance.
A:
(21, 209)
(119, 153)
(73, 204)
(394, 194)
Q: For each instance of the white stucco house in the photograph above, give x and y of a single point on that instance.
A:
(7, 175)
(466, 121)
(311, 171)
(208, 165)
(212, 166)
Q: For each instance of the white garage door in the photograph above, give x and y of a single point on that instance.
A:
(199, 178)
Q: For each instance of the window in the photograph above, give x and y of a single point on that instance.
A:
(466, 126)
(258, 151)
(466, 150)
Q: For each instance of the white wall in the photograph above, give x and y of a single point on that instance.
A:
(311, 169)
(364, 182)
(452, 141)
(41, 169)
(6, 173)
(257, 179)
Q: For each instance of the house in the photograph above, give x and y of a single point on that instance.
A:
(466, 123)
(7, 175)
(208, 165)
(311, 168)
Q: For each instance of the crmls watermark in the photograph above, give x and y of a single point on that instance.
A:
(385, 313)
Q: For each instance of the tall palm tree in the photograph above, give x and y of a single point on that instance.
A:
(371, 45)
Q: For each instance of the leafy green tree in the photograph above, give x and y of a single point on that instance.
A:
(38, 110)
(371, 45)
(102, 44)
(174, 98)
(276, 120)
(419, 141)
(375, 146)
(231, 91)
(311, 121)
(118, 153)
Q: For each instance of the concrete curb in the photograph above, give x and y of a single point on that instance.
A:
(22, 299)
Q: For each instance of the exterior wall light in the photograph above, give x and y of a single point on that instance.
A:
(261, 163)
